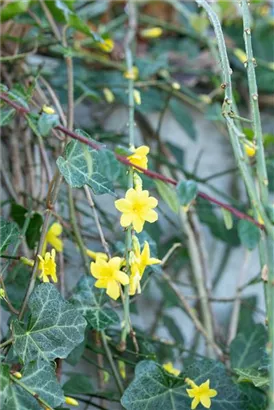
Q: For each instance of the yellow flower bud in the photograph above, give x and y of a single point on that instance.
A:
(122, 369)
(105, 376)
(71, 401)
(137, 97)
(153, 32)
(260, 220)
(250, 149)
(205, 98)
(18, 375)
(96, 255)
(26, 261)
(109, 96)
(137, 181)
(176, 86)
(133, 74)
(107, 46)
(240, 54)
(2, 293)
(47, 109)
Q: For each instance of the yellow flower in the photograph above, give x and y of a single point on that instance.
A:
(109, 275)
(71, 401)
(153, 32)
(139, 157)
(140, 261)
(107, 46)
(250, 149)
(137, 97)
(47, 266)
(200, 394)
(96, 255)
(137, 208)
(48, 110)
(133, 74)
(109, 96)
(52, 237)
(170, 369)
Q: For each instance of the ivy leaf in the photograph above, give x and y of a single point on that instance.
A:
(78, 384)
(18, 398)
(153, 388)
(247, 350)
(109, 166)
(183, 117)
(18, 214)
(186, 191)
(252, 376)
(40, 377)
(54, 328)
(168, 195)
(80, 166)
(90, 302)
(249, 234)
(9, 233)
(4, 383)
(46, 122)
(7, 115)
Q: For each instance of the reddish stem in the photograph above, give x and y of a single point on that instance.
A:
(125, 161)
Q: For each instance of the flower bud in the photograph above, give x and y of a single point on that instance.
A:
(153, 32)
(71, 401)
(109, 96)
(48, 110)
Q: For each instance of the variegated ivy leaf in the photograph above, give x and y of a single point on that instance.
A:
(54, 327)
(80, 166)
(90, 302)
(38, 377)
(9, 233)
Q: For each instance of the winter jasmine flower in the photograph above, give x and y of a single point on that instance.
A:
(109, 275)
(107, 46)
(139, 157)
(200, 394)
(137, 208)
(170, 369)
(139, 262)
(96, 255)
(52, 237)
(47, 266)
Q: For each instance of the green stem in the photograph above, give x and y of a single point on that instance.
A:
(254, 104)
(6, 343)
(31, 392)
(131, 128)
(270, 249)
(112, 364)
(76, 230)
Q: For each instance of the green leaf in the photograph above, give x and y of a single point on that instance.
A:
(20, 399)
(186, 192)
(228, 220)
(18, 214)
(13, 8)
(40, 377)
(78, 384)
(4, 383)
(9, 233)
(183, 117)
(168, 194)
(46, 122)
(249, 234)
(75, 355)
(80, 166)
(247, 350)
(90, 302)
(252, 376)
(109, 166)
(53, 330)
(16, 285)
(153, 388)
(7, 115)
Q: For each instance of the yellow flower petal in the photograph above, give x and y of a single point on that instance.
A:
(151, 216)
(113, 289)
(195, 403)
(121, 277)
(138, 223)
(123, 205)
(206, 402)
(126, 220)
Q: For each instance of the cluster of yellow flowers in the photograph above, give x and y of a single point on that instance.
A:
(200, 394)
(137, 208)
